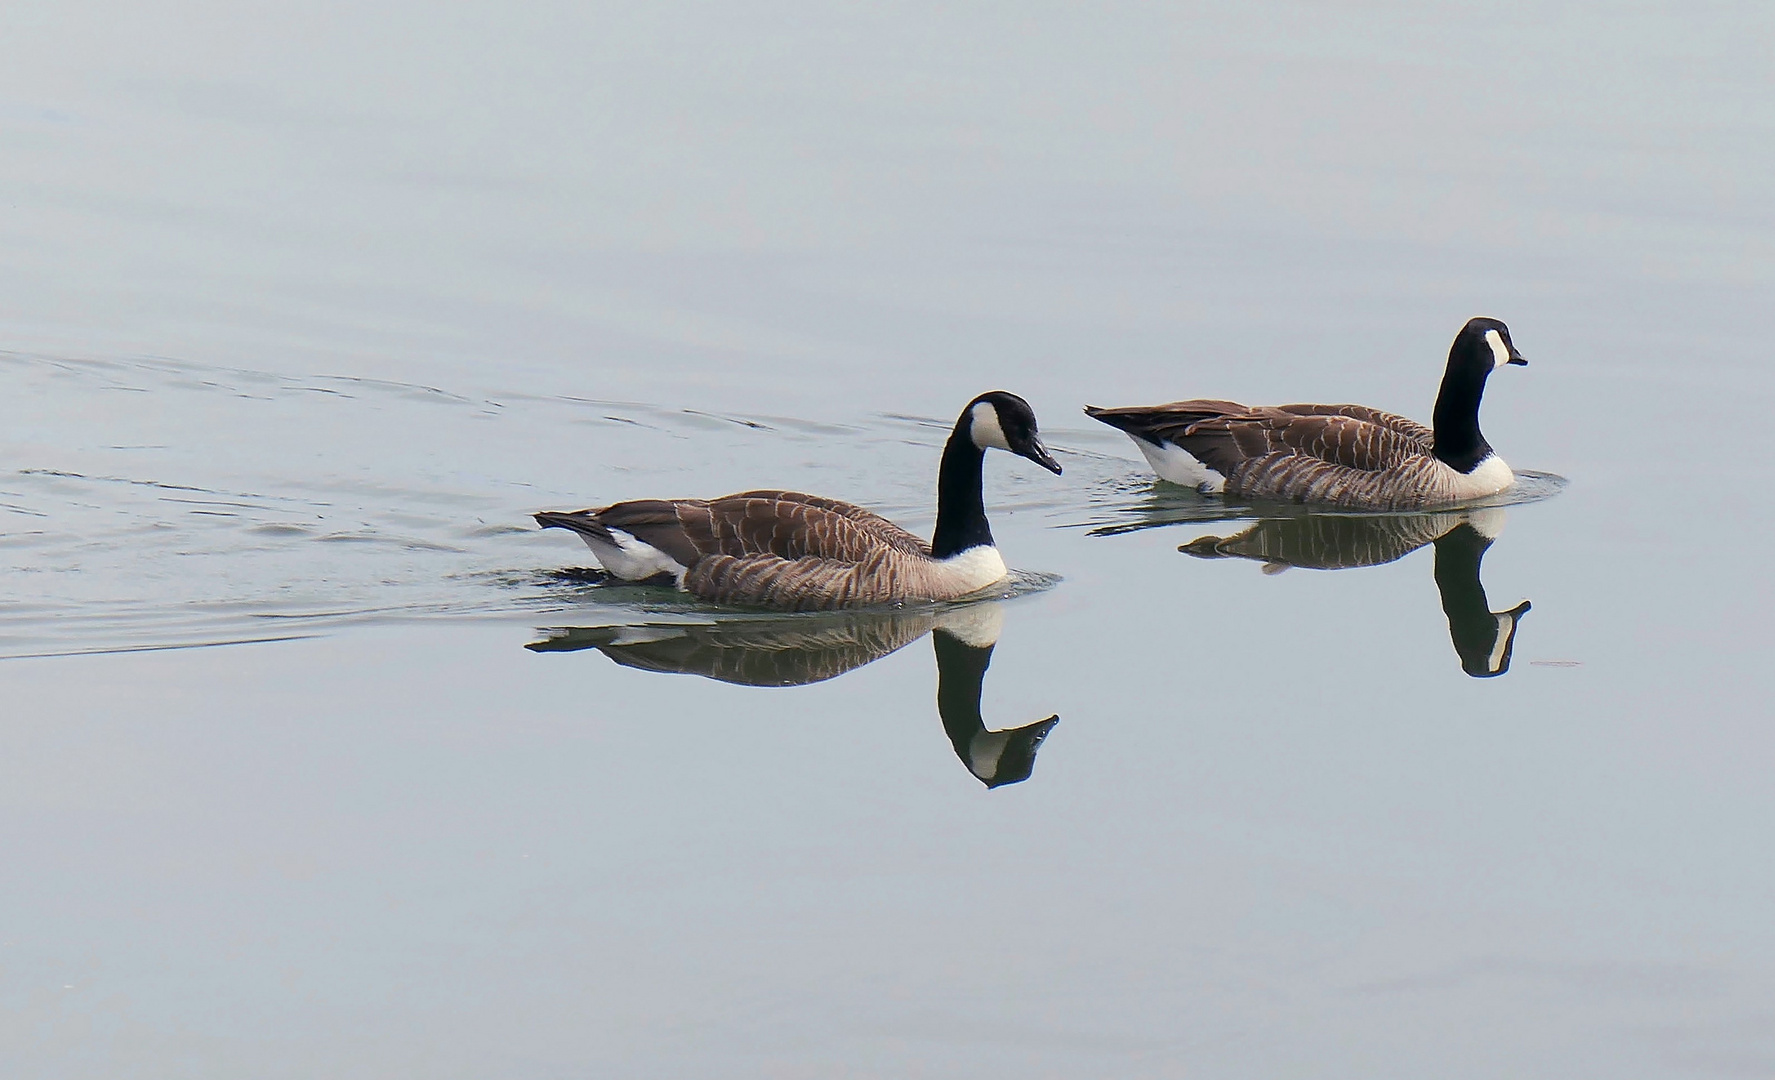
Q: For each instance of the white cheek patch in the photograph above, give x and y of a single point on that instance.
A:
(1500, 352)
(983, 425)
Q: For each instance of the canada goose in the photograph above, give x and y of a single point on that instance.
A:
(801, 649)
(784, 549)
(1483, 638)
(1343, 455)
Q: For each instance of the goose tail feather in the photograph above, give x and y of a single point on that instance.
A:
(583, 522)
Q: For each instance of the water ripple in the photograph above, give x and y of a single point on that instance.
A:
(211, 500)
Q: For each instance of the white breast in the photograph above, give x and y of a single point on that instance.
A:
(975, 568)
(1490, 477)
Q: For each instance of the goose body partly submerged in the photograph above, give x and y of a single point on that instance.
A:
(1340, 455)
(788, 550)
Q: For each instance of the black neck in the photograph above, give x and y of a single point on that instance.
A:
(1459, 443)
(1472, 626)
(961, 505)
(961, 669)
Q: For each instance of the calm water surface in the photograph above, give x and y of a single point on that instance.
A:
(321, 761)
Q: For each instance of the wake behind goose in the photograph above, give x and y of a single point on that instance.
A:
(784, 549)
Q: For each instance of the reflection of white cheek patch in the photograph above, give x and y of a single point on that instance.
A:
(983, 425)
(1500, 352)
(1506, 629)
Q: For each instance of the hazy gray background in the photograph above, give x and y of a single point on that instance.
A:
(302, 312)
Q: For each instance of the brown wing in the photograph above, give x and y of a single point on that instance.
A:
(884, 530)
(1164, 423)
(785, 524)
(1403, 425)
(1228, 442)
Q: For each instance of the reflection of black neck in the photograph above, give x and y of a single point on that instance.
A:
(1472, 625)
(1459, 443)
(961, 505)
(961, 671)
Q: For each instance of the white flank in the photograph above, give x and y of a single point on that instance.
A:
(1500, 352)
(1179, 466)
(984, 428)
(975, 568)
(1506, 627)
(632, 559)
(1487, 478)
(976, 625)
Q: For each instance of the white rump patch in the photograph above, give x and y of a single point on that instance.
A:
(973, 569)
(1500, 352)
(976, 625)
(984, 428)
(632, 559)
(1174, 463)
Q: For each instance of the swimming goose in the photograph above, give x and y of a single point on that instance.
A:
(783, 549)
(1342, 455)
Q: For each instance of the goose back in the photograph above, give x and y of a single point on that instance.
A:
(787, 524)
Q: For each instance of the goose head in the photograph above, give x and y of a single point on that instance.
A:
(1485, 345)
(1005, 421)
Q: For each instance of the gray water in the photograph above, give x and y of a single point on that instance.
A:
(318, 763)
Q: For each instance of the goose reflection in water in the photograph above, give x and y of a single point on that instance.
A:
(1483, 638)
(798, 650)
